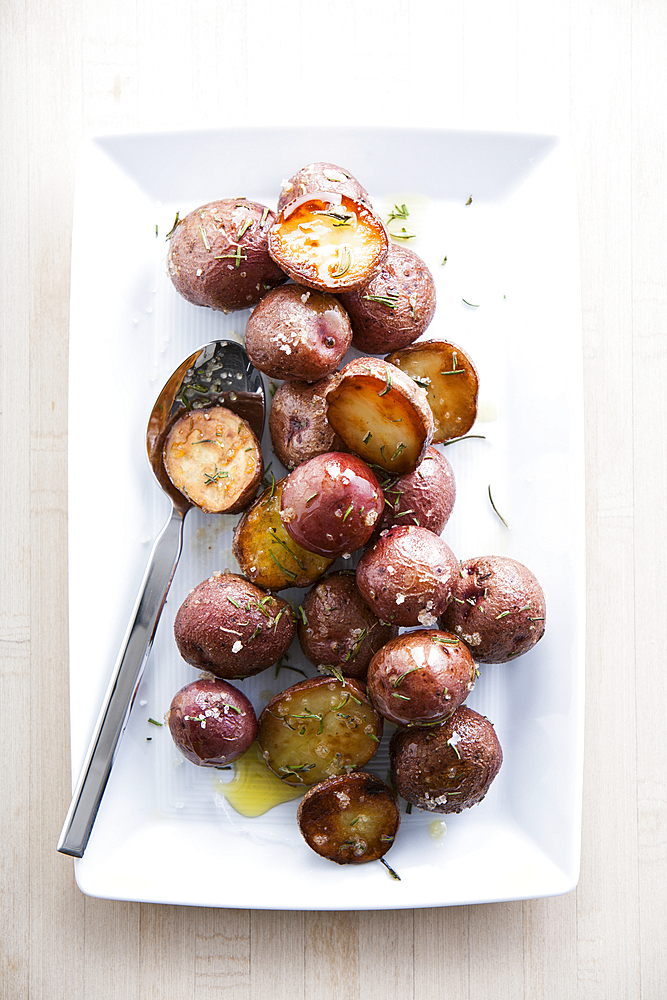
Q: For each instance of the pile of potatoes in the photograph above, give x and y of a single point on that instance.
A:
(399, 637)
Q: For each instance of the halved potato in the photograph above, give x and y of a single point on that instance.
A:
(267, 555)
(329, 241)
(450, 380)
(350, 819)
(381, 414)
(214, 459)
(317, 729)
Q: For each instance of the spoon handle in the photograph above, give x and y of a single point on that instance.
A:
(123, 687)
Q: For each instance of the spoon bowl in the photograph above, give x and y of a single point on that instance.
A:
(218, 374)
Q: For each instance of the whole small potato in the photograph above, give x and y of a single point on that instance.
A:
(498, 608)
(218, 255)
(408, 576)
(449, 767)
(321, 177)
(337, 629)
(424, 497)
(331, 503)
(299, 333)
(298, 422)
(395, 307)
(211, 722)
(233, 629)
(421, 677)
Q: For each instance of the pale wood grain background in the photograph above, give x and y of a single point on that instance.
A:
(592, 68)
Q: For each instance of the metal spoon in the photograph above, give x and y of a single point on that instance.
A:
(218, 374)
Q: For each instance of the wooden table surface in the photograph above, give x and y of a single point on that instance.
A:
(592, 68)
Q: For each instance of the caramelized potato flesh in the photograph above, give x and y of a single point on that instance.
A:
(380, 414)
(450, 380)
(267, 555)
(328, 241)
(350, 819)
(214, 459)
(317, 729)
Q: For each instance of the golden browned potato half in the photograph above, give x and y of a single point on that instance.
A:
(265, 552)
(214, 459)
(328, 241)
(449, 767)
(321, 177)
(298, 422)
(350, 819)
(317, 729)
(381, 414)
(450, 380)
(219, 257)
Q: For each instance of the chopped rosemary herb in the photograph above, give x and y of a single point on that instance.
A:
(399, 212)
(387, 386)
(397, 681)
(497, 511)
(475, 305)
(171, 232)
(204, 240)
(348, 512)
(344, 262)
(391, 871)
(280, 565)
(367, 438)
(154, 723)
(389, 300)
(243, 228)
(232, 601)
(403, 697)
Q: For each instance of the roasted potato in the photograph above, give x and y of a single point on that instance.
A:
(424, 497)
(449, 767)
(321, 177)
(380, 414)
(211, 722)
(395, 307)
(218, 255)
(421, 677)
(349, 819)
(298, 422)
(233, 629)
(336, 628)
(328, 241)
(317, 729)
(265, 552)
(331, 503)
(408, 576)
(297, 332)
(450, 380)
(498, 608)
(214, 459)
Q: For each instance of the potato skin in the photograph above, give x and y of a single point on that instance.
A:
(331, 504)
(498, 608)
(408, 576)
(395, 307)
(218, 255)
(421, 677)
(447, 768)
(350, 819)
(337, 629)
(424, 497)
(297, 332)
(233, 629)
(211, 722)
(298, 422)
(321, 176)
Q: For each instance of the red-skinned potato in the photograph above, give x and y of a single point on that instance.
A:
(233, 629)
(211, 722)
(328, 241)
(449, 767)
(321, 177)
(498, 608)
(407, 577)
(298, 422)
(337, 630)
(395, 307)
(424, 497)
(421, 677)
(218, 255)
(331, 503)
(297, 332)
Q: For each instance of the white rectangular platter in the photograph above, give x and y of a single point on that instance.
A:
(508, 293)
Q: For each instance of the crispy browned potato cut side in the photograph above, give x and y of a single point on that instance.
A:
(450, 380)
(214, 459)
(267, 555)
(317, 729)
(381, 415)
(350, 819)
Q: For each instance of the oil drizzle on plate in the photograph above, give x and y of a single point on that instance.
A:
(254, 789)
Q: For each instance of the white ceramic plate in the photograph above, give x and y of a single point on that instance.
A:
(163, 832)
